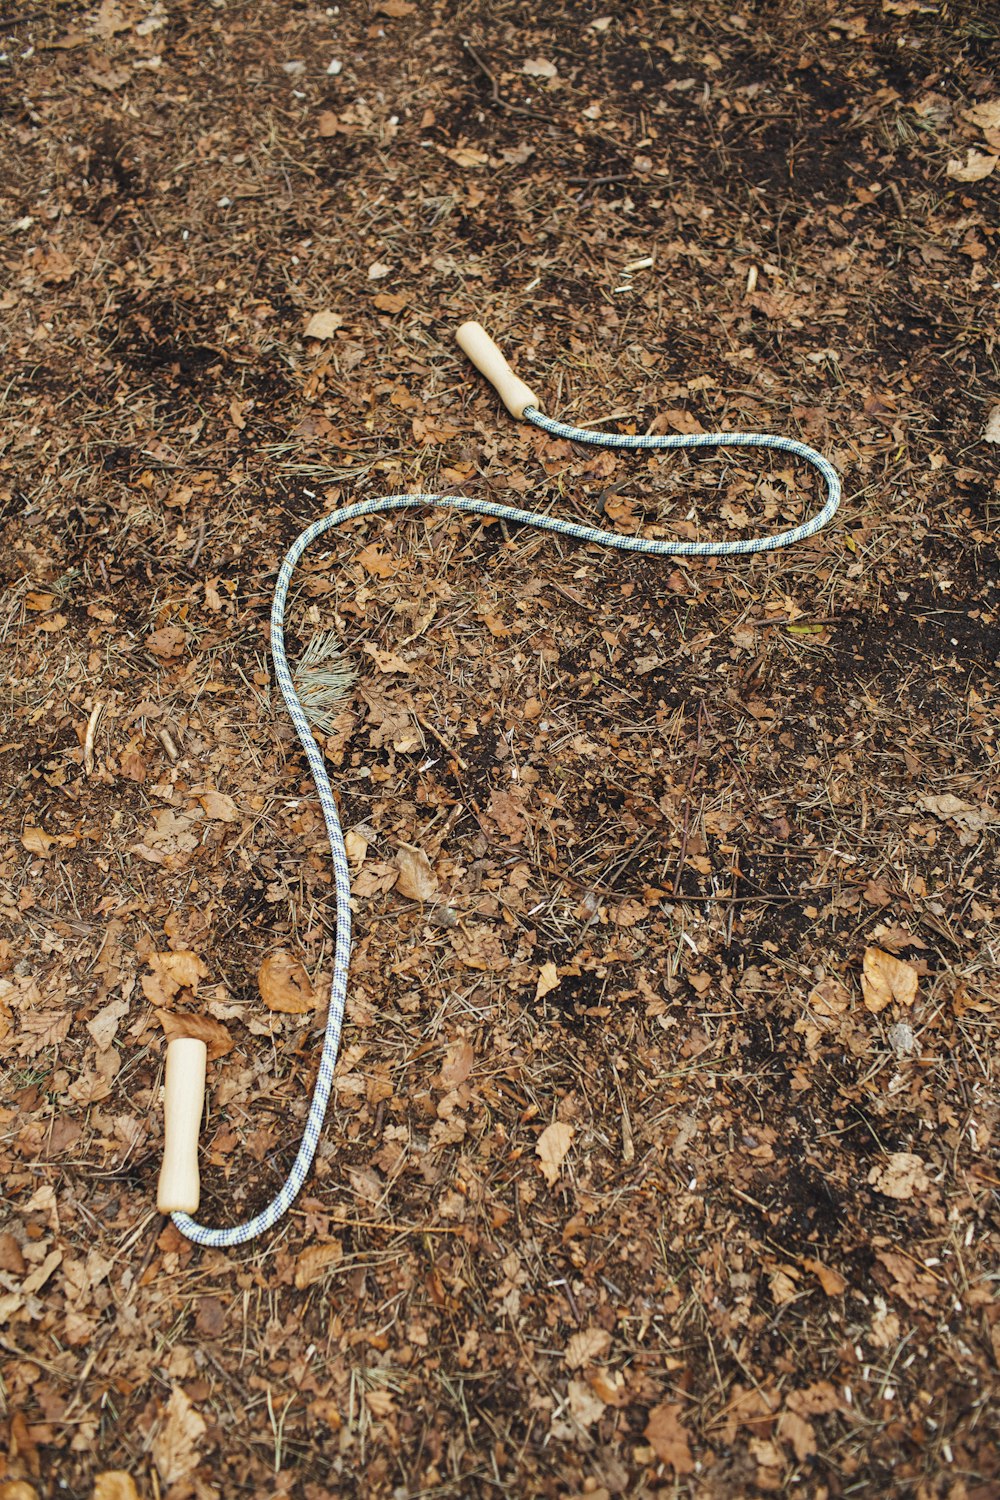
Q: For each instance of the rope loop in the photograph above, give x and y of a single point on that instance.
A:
(238, 1234)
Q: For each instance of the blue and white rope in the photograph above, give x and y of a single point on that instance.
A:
(238, 1234)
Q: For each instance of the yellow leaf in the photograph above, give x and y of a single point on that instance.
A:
(548, 979)
(551, 1148)
(115, 1484)
(285, 986)
(885, 978)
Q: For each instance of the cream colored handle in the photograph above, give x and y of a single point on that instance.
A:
(183, 1102)
(486, 357)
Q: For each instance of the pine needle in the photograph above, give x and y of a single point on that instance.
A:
(323, 678)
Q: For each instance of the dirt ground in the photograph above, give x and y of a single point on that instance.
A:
(662, 1155)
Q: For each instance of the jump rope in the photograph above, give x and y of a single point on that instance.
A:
(184, 1088)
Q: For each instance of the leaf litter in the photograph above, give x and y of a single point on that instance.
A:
(662, 1151)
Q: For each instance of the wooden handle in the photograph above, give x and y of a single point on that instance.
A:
(183, 1102)
(486, 357)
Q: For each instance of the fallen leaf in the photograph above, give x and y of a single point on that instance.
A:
(467, 156)
(551, 1148)
(830, 1280)
(783, 1288)
(416, 880)
(885, 978)
(175, 1446)
(115, 1484)
(202, 1028)
(799, 1433)
(548, 979)
(900, 1176)
(991, 431)
(285, 986)
(172, 971)
(539, 67)
(167, 642)
(585, 1406)
(667, 1435)
(976, 166)
(458, 1063)
(17, 1489)
(380, 1402)
(315, 1261)
(378, 270)
(323, 325)
(588, 1345)
(219, 806)
(391, 302)
(395, 8)
(986, 114)
(327, 125)
(37, 841)
(356, 846)
(104, 1026)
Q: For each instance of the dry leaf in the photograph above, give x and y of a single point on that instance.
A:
(201, 1028)
(285, 986)
(467, 156)
(588, 1345)
(799, 1433)
(327, 125)
(540, 67)
(991, 432)
(175, 1446)
(783, 1288)
(17, 1489)
(395, 8)
(551, 1148)
(901, 1175)
(315, 1261)
(458, 1064)
(323, 325)
(37, 841)
(585, 1406)
(172, 971)
(885, 979)
(167, 642)
(830, 1280)
(548, 979)
(378, 270)
(975, 167)
(986, 115)
(219, 806)
(115, 1484)
(416, 880)
(667, 1435)
(356, 846)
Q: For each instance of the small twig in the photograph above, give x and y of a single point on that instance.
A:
(198, 544)
(515, 109)
(88, 742)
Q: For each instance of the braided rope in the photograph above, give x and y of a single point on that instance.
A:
(238, 1234)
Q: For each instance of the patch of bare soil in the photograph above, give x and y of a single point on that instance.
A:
(662, 1156)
